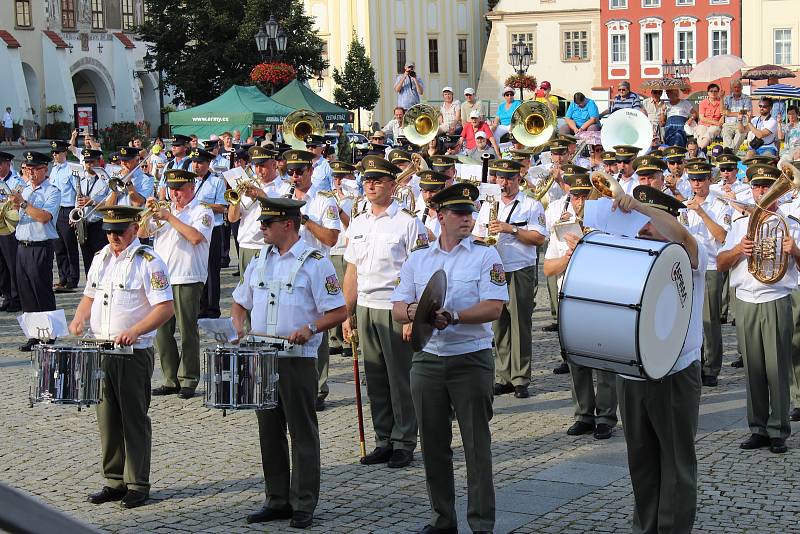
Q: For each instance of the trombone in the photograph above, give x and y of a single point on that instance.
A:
(119, 185)
(78, 214)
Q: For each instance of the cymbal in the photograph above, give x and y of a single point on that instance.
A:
(431, 300)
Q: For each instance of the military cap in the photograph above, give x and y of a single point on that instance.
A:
(656, 153)
(128, 153)
(211, 144)
(648, 164)
(449, 140)
(198, 154)
(579, 183)
(90, 154)
(403, 143)
(762, 174)
(315, 140)
(281, 148)
(457, 197)
(728, 161)
(764, 160)
(377, 167)
(519, 155)
(432, 180)
(181, 140)
(35, 159)
(118, 218)
(342, 167)
(570, 139)
(59, 146)
(505, 168)
(443, 162)
(177, 178)
(609, 156)
(296, 157)
(694, 160)
(242, 153)
(569, 169)
(260, 153)
(279, 207)
(398, 156)
(558, 146)
(114, 157)
(699, 168)
(626, 152)
(657, 199)
(5, 156)
(376, 149)
(674, 152)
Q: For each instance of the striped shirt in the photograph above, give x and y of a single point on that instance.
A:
(631, 101)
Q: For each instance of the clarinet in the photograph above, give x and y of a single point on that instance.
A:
(80, 226)
(485, 166)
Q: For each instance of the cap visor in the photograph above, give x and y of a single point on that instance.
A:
(119, 227)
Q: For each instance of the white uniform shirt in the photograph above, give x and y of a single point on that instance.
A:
(430, 221)
(526, 214)
(378, 247)
(187, 263)
(474, 274)
(741, 190)
(249, 235)
(553, 213)
(747, 287)
(345, 205)
(555, 192)
(682, 185)
(321, 208)
(628, 185)
(720, 212)
(97, 189)
(125, 288)
(314, 291)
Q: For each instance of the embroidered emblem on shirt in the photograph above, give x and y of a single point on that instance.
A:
(541, 220)
(727, 218)
(422, 239)
(332, 285)
(497, 275)
(158, 280)
(206, 220)
(330, 213)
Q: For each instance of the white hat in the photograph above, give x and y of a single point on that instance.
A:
(475, 114)
(447, 88)
(480, 134)
(469, 91)
(507, 89)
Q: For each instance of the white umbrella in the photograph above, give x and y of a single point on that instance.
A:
(716, 67)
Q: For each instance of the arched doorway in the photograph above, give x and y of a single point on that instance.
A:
(35, 100)
(91, 89)
(149, 94)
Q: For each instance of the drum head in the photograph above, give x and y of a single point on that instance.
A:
(666, 311)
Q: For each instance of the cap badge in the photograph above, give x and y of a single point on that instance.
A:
(465, 192)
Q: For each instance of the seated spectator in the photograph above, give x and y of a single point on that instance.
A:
(763, 127)
(582, 115)
(674, 115)
(477, 124)
(543, 95)
(711, 117)
(789, 133)
(502, 119)
(625, 99)
(690, 127)
(482, 146)
(470, 102)
(450, 119)
(394, 128)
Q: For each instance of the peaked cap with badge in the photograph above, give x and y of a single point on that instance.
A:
(376, 167)
(198, 154)
(626, 152)
(699, 168)
(727, 161)
(674, 153)
(762, 174)
(398, 156)
(648, 164)
(579, 183)
(279, 207)
(6, 156)
(59, 146)
(118, 218)
(181, 140)
(128, 153)
(176, 178)
(505, 168)
(297, 158)
(657, 199)
(457, 197)
(342, 168)
(609, 156)
(432, 180)
(90, 154)
(36, 158)
(570, 169)
(260, 153)
(315, 140)
(443, 162)
(559, 146)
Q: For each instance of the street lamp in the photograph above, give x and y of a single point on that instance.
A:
(520, 59)
(320, 81)
(271, 40)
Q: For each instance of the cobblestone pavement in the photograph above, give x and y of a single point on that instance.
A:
(206, 471)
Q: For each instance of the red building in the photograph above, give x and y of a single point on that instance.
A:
(639, 36)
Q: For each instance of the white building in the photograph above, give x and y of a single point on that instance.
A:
(75, 53)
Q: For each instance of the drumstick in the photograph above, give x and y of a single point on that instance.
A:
(273, 336)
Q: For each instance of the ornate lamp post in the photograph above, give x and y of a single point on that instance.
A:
(271, 40)
(520, 59)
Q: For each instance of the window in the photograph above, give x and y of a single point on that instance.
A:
(576, 45)
(528, 37)
(684, 2)
(145, 13)
(128, 20)
(68, 14)
(651, 3)
(651, 47)
(617, 4)
(619, 48)
(98, 17)
(719, 42)
(22, 10)
(712, 2)
(462, 56)
(783, 46)
(400, 46)
(685, 43)
(433, 55)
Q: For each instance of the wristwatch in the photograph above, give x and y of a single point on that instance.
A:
(313, 328)
(303, 220)
(515, 230)
(23, 205)
(455, 320)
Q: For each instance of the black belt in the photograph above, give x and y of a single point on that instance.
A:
(67, 207)
(33, 243)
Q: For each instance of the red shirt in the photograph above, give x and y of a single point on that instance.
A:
(468, 133)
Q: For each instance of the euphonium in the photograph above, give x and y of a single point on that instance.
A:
(9, 215)
(144, 216)
(494, 208)
(768, 262)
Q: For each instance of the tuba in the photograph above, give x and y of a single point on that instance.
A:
(768, 262)
(299, 124)
(533, 123)
(421, 124)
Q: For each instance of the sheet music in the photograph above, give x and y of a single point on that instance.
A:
(234, 176)
(597, 214)
(467, 171)
(492, 190)
(44, 325)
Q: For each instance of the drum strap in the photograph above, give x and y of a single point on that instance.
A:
(511, 211)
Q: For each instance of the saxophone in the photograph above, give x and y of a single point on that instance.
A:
(494, 207)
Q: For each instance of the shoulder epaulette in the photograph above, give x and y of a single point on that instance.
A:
(480, 243)
(418, 247)
(98, 252)
(317, 255)
(145, 253)
(408, 211)
(258, 253)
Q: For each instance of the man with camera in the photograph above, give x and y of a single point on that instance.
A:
(408, 86)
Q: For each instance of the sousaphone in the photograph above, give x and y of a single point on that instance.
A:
(421, 124)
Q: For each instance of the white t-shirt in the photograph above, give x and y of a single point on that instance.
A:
(682, 109)
(187, 263)
(770, 124)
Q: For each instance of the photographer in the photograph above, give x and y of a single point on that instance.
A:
(409, 87)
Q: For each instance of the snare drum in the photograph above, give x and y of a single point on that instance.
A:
(240, 378)
(625, 305)
(65, 375)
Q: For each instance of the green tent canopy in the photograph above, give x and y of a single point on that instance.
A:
(238, 108)
(299, 96)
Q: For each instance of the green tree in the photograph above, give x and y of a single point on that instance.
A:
(205, 46)
(357, 86)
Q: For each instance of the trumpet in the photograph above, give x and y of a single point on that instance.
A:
(144, 216)
(234, 196)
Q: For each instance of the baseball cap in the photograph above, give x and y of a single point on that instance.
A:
(410, 64)
(474, 114)
(469, 91)
(507, 89)
(480, 134)
(545, 85)
(447, 88)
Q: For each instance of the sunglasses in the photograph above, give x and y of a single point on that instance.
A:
(727, 170)
(115, 232)
(295, 172)
(675, 162)
(508, 94)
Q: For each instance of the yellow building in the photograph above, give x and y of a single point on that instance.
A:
(771, 33)
(446, 40)
(564, 39)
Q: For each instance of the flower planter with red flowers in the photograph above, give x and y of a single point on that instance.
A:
(272, 76)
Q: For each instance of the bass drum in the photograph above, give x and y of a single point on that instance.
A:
(625, 305)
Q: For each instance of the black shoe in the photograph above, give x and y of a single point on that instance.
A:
(269, 514)
(562, 369)
(336, 350)
(580, 428)
(237, 274)
(4, 305)
(521, 392)
(301, 520)
(320, 404)
(755, 441)
(710, 381)
(794, 415)
(400, 458)
(133, 499)
(552, 327)
(738, 362)
(603, 431)
(777, 445)
(165, 390)
(428, 529)
(380, 455)
(28, 346)
(13, 308)
(723, 319)
(107, 495)
(502, 389)
(186, 393)
(347, 352)
(733, 322)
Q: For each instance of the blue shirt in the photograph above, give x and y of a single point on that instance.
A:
(582, 114)
(97, 189)
(504, 115)
(211, 190)
(223, 160)
(8, 183)
(408, 95)
(322, 175)
(46, 197)
(61, 176)
(143, 183)
(631, 101)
